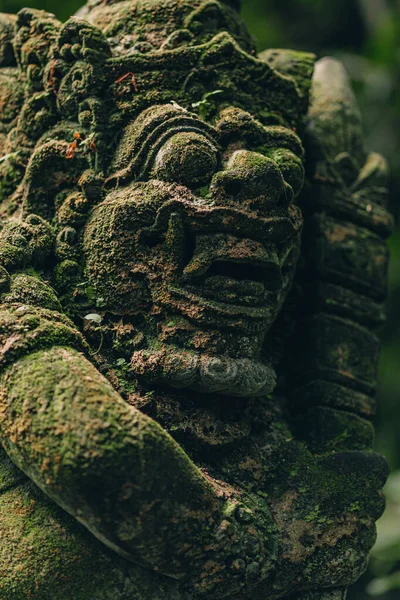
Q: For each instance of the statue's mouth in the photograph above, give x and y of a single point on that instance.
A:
(228, 281)
(231, 270)
(229, 264)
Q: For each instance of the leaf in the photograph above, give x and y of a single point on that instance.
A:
(100, 302)
(205, 98)
(382, 585)
(90, 292)
(214, 93)
(94, 317)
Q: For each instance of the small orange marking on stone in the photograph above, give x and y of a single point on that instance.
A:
(133, 80)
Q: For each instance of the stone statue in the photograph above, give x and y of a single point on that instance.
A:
(192, 264)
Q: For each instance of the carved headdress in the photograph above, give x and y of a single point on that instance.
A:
(95, 76)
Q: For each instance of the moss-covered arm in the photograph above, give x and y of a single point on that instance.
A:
(114, 469)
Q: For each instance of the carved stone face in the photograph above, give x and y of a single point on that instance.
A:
(166, 157)
(198, 237)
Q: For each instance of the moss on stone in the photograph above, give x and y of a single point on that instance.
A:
(153, 173)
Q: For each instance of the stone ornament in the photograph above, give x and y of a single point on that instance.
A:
(192, 268)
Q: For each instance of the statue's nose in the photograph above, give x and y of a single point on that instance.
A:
(256, 180)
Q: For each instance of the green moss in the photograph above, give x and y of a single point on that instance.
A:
(31, 290)
(314, 515)
(43, 550)
(139, 200)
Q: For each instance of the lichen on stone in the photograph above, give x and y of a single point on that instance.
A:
(192, 268)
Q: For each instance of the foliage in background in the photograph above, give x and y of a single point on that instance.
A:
(384, 563)
(365, 34)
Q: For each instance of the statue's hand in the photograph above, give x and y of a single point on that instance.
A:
(326, 517)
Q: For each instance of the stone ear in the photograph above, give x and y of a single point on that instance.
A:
(50, 175)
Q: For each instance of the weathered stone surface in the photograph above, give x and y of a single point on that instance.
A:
(192, 267)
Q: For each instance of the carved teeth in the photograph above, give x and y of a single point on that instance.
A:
(221, 247)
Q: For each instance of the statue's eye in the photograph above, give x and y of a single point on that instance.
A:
(187, 158)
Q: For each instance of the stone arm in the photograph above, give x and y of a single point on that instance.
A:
(114, 469)
(341, 286)
(344, 283)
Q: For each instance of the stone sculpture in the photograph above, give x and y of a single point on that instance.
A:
(188, 363)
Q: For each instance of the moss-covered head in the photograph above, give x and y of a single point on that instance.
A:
(165, 157)
(199, 237)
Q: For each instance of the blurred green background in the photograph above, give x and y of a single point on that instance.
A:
(365, 35)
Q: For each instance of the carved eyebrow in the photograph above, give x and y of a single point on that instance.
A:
(237, 124)
(142, 140)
